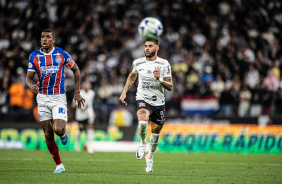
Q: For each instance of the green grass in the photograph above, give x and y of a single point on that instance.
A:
(37, 166)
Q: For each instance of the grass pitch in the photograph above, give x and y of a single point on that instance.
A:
(37, 167)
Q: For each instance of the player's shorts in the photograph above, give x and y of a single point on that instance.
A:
(83, 123)
(52, 107)
(157, 113)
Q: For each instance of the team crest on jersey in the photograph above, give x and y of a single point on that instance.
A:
(29, 65)
(58, 59)
(141, 104)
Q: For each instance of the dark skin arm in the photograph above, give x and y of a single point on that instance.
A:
(77, 98)
(129, 82)
(29, 81)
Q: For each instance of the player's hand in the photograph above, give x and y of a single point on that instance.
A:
(157, 73)
(78, 99)
(122, 97)
(74, 105)
(35, 87)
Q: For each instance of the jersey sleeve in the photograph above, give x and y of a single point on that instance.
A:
(134, 70)
(31, 66)
(167, 71)
(68, 61)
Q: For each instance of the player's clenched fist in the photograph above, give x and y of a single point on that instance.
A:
(35, 87)
(157, 73)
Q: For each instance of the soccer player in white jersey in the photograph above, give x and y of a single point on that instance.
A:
(85, 115)
(48, 62)
(154, 77)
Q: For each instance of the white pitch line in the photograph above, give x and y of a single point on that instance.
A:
(172, 162)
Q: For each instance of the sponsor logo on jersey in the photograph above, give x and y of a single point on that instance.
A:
(154, 98)
(58, 60)
(149, 72)
(150, 98)
(49, 69)
(142, 104)
(29, 65)
(141, 69)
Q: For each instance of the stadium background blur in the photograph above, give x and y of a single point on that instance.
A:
(230, 50)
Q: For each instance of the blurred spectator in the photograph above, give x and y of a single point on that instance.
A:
(217, 86)
(16, 92)
(271, 81)
(229, 100)
(256, 101)
(267, 97)
(28, 99)
(244, 103)
(121, 117)
(278, 101)
(252, 77)
(105, 91)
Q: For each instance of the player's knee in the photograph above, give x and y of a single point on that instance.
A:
(60, 131)
(90, 126)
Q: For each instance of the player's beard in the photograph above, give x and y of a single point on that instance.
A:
(151, 54)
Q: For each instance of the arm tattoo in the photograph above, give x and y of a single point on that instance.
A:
(167, 83)
(130, 81)
(132, 78)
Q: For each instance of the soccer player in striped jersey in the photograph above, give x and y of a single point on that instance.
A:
(48, 62)
(154, 77)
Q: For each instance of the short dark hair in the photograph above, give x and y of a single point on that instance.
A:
(49, 31)
(155, 40)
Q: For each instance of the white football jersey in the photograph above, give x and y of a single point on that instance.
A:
(86, 111)
(149, 88)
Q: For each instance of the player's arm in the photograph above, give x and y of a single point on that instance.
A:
(77, 98)
(129, 82)
(167, 83)
(29, 81)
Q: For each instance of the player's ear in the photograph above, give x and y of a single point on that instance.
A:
(158, 47)
(54, 40)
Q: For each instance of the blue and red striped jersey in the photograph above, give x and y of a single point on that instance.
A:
(50, 69)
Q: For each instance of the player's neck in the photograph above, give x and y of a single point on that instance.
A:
(47, 50)
(152, 58)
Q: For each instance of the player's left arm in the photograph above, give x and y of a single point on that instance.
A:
(77, 97)
(167, 83)
(166, 78)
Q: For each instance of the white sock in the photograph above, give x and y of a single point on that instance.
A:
(154, 141)
(90, 134)
(142, 130)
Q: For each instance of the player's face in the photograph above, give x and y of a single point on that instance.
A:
(86, 86)
(47, 40)
(150, 49)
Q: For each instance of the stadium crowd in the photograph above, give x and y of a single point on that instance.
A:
(227, 49)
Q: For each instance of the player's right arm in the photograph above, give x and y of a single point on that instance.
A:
(30, 74)
(29, 81)
(129, 82)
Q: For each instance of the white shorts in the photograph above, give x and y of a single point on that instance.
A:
(52, 107)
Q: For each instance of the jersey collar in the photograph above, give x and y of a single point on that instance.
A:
(153, 60)
(49, 53)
